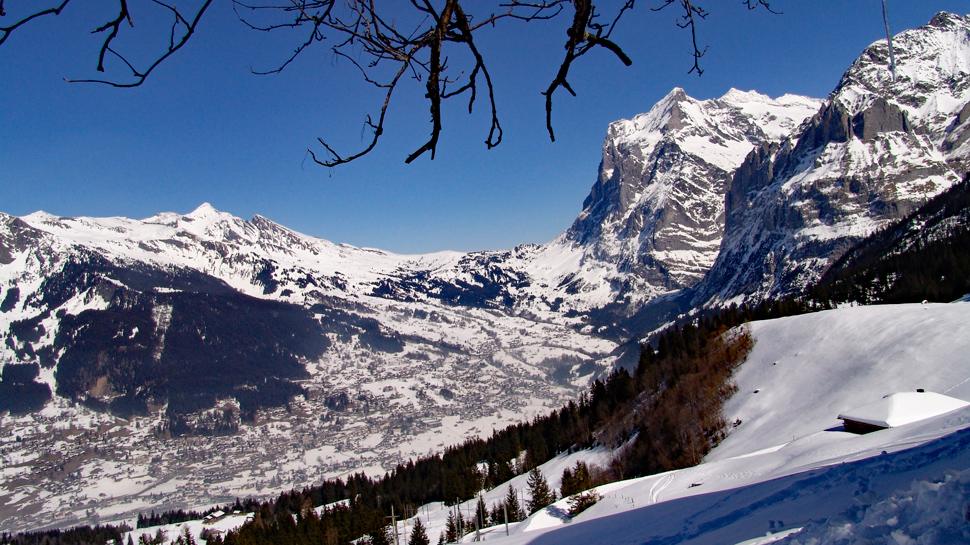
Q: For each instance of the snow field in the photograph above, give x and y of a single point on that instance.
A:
(788, 465)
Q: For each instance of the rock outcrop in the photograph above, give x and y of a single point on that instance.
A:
(878, 148)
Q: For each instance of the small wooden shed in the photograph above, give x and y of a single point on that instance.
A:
(898, 409)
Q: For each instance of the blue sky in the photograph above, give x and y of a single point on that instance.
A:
(204, 129)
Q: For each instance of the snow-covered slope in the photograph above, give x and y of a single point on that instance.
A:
(877, 149)
(788, 472)
(805, 370)
(788, 464)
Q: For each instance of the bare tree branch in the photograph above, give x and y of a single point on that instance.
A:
(580, 42)
(5, 31)
(753, 4)
(140, 76)
(687, 21)
(413, 40)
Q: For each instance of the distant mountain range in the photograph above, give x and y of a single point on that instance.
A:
(698, 204)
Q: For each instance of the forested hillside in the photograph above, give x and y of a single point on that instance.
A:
(924, 257)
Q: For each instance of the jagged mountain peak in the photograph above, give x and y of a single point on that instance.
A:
(930, 82)
(692, 121)
(875, 151)
(654, 218)
(204, 210)
(42, 217)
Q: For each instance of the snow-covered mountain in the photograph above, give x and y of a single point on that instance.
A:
(656, 213)
(175, 290)
(208, 324)
(879, 147)
(120, 335)
(652, 224)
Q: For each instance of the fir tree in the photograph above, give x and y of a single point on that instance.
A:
(496, 516)
(512, 506)
(481, 512)
(418, 535)
(575, 480)
(567, 484)
(380, 537)
(541, 494)
(451, 529)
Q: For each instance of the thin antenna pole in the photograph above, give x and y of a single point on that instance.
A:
(889, 39)
(505, 511)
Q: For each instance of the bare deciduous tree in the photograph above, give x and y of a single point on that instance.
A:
(384, 51)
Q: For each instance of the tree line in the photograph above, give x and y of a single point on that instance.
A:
(926, 256)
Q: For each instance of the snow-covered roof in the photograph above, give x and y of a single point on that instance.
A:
(903, 408)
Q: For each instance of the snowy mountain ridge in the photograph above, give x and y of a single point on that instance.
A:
(656, 212)
(878, 148)
(191, 324)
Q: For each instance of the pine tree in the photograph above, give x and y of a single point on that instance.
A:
(418, 535)
(379, 536)
(451, 529)
(512, 506)
(541, 494)
(575, 480)
(496, 516)
(567, 486)
(481, 512)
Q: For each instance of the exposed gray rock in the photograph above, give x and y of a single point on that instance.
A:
(876, 150)
(881, 116)
(656, 213)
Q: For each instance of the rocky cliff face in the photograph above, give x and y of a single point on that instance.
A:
(655, 217)
(878, 148)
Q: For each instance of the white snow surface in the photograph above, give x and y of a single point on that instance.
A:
(903, 408)
(789, 471)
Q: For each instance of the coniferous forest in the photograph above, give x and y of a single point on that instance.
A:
(925, 257)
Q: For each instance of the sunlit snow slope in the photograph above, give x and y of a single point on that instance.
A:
(789, 465)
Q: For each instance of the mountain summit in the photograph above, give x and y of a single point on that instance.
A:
(876, 149)
(656, 212)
